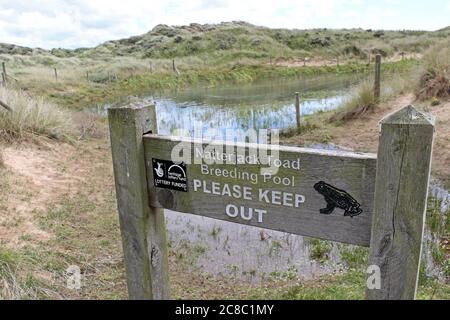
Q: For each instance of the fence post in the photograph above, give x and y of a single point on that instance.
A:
(4, 75)
(377, 86)
(142, 227)
(56, 74)
(175, 69)
(297, 110)
(401, 189)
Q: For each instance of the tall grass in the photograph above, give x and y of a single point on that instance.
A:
(435, 76)
(31, 117)
(362, 99)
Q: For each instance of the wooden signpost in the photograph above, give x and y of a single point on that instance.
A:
(331, 195)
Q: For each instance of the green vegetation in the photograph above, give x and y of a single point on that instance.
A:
(319, 250)
(205, 54)
(435, 74)
(349, 285)
(362, 98)
(354, 257)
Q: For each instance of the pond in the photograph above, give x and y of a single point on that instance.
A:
(261, 105)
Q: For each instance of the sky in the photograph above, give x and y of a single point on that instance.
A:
(87, 23)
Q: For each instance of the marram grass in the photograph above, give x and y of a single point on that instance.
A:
(31, 117)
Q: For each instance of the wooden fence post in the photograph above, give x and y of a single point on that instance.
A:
(142, 227)
(175, 69)
(56, 74)
(377, 86)
(4, 75)
(297, 110)
(401, 188)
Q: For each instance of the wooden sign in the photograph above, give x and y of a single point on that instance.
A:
(324, 194)
(377, 201)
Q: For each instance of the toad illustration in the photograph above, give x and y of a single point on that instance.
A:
(337, 198)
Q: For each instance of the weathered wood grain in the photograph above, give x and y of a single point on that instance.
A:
(143, 230)
(352, 172)
(404, 161)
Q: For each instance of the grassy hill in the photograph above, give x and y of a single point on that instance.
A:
(241, 39)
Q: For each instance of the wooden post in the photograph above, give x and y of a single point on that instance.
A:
(4, 74)
(4, 105)
(377, 85)
(401, 188)
(87, 75)
(175, 69)
(142, 227)
(297, 110)
(56, 74)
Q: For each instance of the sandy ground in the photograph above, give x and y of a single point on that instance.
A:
(362, 134)
(37, 177)
(312, 62)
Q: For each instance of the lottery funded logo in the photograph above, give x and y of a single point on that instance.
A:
(168, 174)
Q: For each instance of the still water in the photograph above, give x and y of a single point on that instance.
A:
(262, 105)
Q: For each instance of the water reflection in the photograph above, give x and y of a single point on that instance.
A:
(262, 105)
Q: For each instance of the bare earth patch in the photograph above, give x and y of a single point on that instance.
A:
(36, 179)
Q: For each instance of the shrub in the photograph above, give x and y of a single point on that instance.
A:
(435, 76)
(31, 116)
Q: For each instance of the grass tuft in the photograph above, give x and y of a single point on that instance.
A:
(31, 117)
(361, 101)
(435, 77)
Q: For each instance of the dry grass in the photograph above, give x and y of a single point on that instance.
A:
(31, 117)
(435, 76)
(361, 101)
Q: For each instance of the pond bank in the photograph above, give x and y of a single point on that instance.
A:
(85, 94)
(361, 134)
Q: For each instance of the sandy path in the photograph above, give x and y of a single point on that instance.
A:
(36, 178)
(312, 62)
